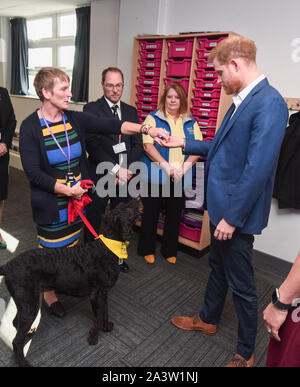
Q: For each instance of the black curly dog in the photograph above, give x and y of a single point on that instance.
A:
(83, 270)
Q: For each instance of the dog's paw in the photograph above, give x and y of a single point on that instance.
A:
(93, 337)
(108, 327)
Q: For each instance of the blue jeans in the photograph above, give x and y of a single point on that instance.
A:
(231, 264)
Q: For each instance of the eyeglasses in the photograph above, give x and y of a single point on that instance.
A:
(110, 86)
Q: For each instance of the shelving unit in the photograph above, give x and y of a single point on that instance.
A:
(158, 60)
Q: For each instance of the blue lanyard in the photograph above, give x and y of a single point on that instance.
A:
(68, 158)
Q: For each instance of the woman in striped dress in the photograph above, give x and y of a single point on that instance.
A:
(53, 155)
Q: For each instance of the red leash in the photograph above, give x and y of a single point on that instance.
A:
(76, 207)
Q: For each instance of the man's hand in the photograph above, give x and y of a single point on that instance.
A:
(174, 142)
(224, 231)
(123, 175)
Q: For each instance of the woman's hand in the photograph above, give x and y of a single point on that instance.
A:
(77, 191)
(273, 319)
(159, 135)
(3, 149)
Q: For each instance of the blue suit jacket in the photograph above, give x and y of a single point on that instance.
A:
(242, 159)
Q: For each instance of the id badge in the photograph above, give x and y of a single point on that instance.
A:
(70, 178)
(118, 148)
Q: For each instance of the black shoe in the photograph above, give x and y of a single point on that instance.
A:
(55, 308)
(124, 268)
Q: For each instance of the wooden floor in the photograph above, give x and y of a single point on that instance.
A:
(140, 305)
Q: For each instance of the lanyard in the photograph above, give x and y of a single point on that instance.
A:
(57, 143)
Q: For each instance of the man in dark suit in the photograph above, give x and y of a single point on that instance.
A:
(120, 151)
(239, 178)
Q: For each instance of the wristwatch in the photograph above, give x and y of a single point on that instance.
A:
(276, 301)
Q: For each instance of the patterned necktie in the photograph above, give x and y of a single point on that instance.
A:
(114, 109)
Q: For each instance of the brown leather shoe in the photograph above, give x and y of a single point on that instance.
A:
(194, 324)
(239, 361)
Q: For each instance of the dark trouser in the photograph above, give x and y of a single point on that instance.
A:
(152, 207)
(231, 264)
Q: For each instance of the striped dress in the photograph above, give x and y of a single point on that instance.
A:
(59, 234)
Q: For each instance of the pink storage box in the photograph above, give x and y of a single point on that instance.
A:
(142, 114)
(206, 121)
(202, 73)
(203, 53)
(148, 98)
(151, 44)
(209, 132)
(156, 54)
(180, 48)
(203, 112)
(207, 93)
(184, 82)
(150, 64)
(206, 103)
(207, 83)
(144, 106)
(209, 42)
(203, 64)
(148, 81)
(147, 89)
(178, 68)
(149, 72)
(192, 233)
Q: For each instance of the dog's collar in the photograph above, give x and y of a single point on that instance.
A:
(117, 247)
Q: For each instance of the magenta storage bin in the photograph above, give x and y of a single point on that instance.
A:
(142, 114)
(208, 132)
(206, 103)
(191, 222)
(203, 53)
(145, 106)
(148, 81)
(180, 48)
(207, 83)
(209, 42)
(206, 121)
(192, 233)
(203, 112)
(151, 44)
(147, 98)
(178, 68)
(183, 81)
(203, 73)
(207, 93)
(148, 72)
(156, 54)
(150, 64)
(147, 89)
(203, 64)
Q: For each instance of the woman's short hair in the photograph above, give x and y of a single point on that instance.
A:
(46, 79)
(180, 90)
(235, 46)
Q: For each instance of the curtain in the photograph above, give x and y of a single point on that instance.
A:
(19, 57)
(80, 75)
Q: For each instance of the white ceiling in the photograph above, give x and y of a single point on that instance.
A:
(27, 8)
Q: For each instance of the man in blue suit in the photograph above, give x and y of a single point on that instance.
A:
(240, 169)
